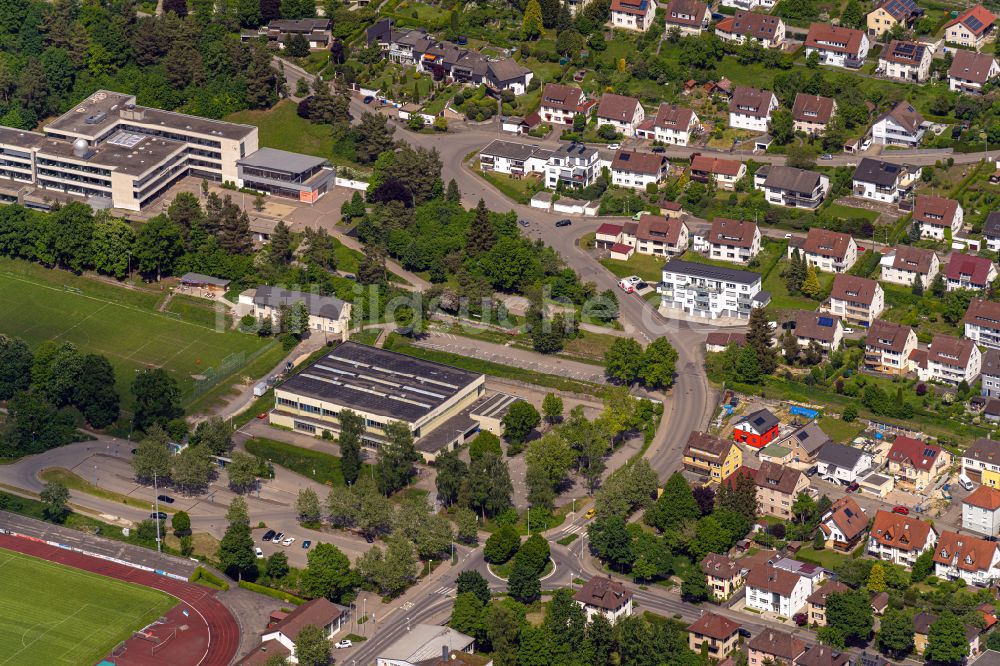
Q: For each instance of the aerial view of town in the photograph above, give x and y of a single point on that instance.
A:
(499, 332)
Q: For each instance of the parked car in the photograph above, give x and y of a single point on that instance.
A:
(853, 487)
(165, 498)
(614, 146)
(565, 222)
(158, 515)
(801, 619)
(744, 632)
(848, 330)
(340, 645)
(260, 553)
(591, 512)
(262, 416)
(350, 276)
(658, 149)
(288, 541)
(368, 99)
(268, 535)
(629, 284)
(901, 510)
(826, 156)
(278, 537)
(307, 543)
(812, 471)
(788, 235)
(523, 222)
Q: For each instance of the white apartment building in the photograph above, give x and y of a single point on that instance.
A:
(899, 539)
(773, 590)
(513, 159)
(933, 215)
(791, 187)
(982, 323)
(837, 46)
(574, 165)
(751, 109)
(888, 347)
(976, 561)
(953, 360)
(828, 251)
(905, 263)
(857, 300)
(710, 292)
(636, 170)
(981, 509)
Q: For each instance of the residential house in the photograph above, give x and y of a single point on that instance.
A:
(777, 488)
(780, 647)
(327, 314)
(672, 125)
(969, 272)
(921, 629)
(572, 164)
(883, 181)
(952, 360)
(981, 509)
(974, 560)
(757, 429)
(560, 104)
(981, 462)
(279, 638)
(806, 442)
(916, 464)
(513, 159)
(825, 330)
(905, 61)
(632, 14)
(751, 109)
(717, 341)
(633, 169)
(711, 292)
(990, 377)
(767, 30)
(660, 236)
(748, 5)
(716, 634)
(773, 590)
(602, 595)
(844, 525)
(856, 299)
(711, 456)
(982, 326)
(905, 264)
(732, 240)
(970, 71)
(621, 112)
(315, 30)
(837, 46)
(829, 251)
(889, 13)
(888, 347)
(812, 113)
(791, 187)
(425, 644)
(838, 462)
(971, 29)
(991, 231)
(690, 17)
(934, 215)
(872, 659)
(902, 126)
(824, 655)
(899, 539)
(725, 173)
(723, 575)
(817, 602)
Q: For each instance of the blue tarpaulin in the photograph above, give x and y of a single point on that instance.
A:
(803, 411)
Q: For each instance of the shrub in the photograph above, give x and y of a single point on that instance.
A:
(203, 576)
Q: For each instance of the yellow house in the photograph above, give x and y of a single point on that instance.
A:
(712, 456)
(888, 13)
(981, 462)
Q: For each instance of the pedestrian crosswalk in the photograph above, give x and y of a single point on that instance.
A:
(573, 529)
(444, 591)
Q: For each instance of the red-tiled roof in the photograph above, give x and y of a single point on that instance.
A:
(686, 12)
(937, 211)
(949, 350)
(983, 313)
(673, 117)
(900, 532)
(715, 165)
(913, 259)
(603, 592)
(827, 243)
(982, 19)
(848, 516)
(914, 453)
(977, 268)
(636, 162)
(714, 626)
(834, 38)
(558, 96)
(732, 232)
(750, 24)
(609, 229)
(617, 107)
(657, 227)
(853, 289)
(966, 552)
(984, 497)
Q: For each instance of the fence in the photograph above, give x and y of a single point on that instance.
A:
(228, 366)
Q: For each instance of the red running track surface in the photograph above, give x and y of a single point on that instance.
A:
(217, 626)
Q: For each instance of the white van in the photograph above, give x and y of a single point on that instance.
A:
(965, 482)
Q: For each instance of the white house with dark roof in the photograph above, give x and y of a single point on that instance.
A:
(826, 330)
(327, 314)
(952, 360)
(751, 109)
(573, 164)
(690, 17)
(732, 240)
(604, 596)
(970, 71)
(828, 251)
(560, 104)
(672, 125)
(904, 264)
(766, 30)
(990, 375)
(982, 323)
(621, 112)
(630, 168)
(812, 113)
(902, 126)
(279, 638)
(844, 524)
(773, 590)
(991, 231)
(791, 187)
(888, 347)
(711, 292)
(883, 181)
(905, 61)
(839, 462)
(513, 158)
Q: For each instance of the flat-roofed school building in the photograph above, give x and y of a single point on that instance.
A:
(434, 400)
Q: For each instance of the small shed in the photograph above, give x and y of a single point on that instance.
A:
(621, 251)
(205, 283)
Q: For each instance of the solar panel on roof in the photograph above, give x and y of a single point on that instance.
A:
(929, 453)
(974, 23)
(825, 321)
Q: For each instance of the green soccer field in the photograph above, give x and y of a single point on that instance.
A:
(51, 614)
(122, 324)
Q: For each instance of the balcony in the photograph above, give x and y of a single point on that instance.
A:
(853, 63)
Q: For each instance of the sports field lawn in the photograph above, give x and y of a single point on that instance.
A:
(51, 614)
(122, 324)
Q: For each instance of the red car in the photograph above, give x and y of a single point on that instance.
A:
(262, 415)
(853, 487)
(901, 510)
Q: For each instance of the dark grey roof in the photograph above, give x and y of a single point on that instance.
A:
(842, 456)
(991, 227)
(318, 306)
(694, 269)
(810, 437)
(379, 381)
(789, 178)
(877, 171)
(281, 160)
(762, 420)
(991, 362)
(512, 150)
(574, 150)
(379, 31)
(198, 278)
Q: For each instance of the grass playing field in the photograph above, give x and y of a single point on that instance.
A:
(50, 614)
(122, 324)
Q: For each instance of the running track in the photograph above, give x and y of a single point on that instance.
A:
(215, 619)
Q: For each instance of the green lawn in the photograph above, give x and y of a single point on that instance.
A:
(840, 431)
(121, 324)
(782, 300)
(318, 466)
(51, 614)
(847, 212)
(646, 266)
(827, 558)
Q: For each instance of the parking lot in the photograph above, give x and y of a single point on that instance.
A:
(295, 552)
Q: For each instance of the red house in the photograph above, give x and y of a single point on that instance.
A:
(757, 429)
